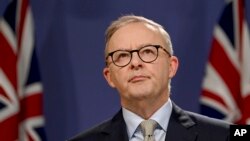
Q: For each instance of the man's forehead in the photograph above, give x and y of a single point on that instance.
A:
(130, 36)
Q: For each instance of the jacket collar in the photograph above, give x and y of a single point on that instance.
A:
(181, 126)
(116, 130)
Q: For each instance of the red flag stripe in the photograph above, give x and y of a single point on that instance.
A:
(220, 62)
(9, 132)
(215, 97)
(31, 106)
(8, 60)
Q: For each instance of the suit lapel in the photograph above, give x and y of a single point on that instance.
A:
(181, 127)
(116, 130)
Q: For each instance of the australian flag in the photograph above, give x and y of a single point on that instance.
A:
(226, 85)
(21, 105)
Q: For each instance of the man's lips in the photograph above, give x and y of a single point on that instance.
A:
(138, 78)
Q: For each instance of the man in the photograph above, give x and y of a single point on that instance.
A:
(140, 65)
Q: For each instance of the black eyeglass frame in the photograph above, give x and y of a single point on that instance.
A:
(137, 51)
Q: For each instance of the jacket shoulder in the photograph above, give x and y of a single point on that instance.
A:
(202, 127)
(210, 128)
(92, 134)
(202, 120)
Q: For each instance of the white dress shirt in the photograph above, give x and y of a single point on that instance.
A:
(161, 116)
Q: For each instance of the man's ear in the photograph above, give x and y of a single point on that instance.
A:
(173, 66)
(107, 76)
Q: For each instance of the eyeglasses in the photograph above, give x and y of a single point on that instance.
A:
(147, 54)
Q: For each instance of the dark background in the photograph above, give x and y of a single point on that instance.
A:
(70, 43)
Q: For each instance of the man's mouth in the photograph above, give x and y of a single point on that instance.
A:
(138, 78)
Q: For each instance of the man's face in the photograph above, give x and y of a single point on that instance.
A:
(139, 80)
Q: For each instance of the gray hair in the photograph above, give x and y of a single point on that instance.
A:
(127, 19)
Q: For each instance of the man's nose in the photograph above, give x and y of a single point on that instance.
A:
(135, 59)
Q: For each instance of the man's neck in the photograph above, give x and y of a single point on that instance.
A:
(145, 108)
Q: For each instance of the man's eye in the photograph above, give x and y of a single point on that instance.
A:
(147, 51)
(123, 55)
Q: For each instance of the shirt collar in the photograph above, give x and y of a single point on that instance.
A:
(133, 120)
(162, 115)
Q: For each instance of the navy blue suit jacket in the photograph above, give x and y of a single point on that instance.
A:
(183, 126)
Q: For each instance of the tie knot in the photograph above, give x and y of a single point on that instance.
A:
(148, 127)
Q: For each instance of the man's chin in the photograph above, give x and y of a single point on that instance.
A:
(140, 95)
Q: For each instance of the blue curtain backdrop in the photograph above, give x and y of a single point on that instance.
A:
(70, 42)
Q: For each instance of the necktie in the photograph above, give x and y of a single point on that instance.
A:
(148, 127)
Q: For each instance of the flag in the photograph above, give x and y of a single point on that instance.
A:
(226, 85)
(21, 114)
